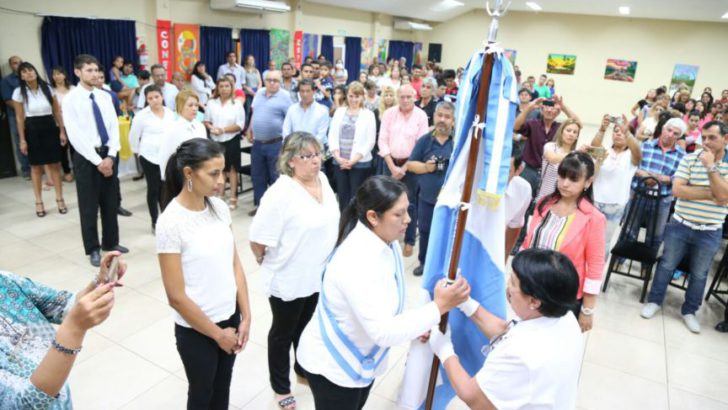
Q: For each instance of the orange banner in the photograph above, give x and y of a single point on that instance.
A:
(186, 48)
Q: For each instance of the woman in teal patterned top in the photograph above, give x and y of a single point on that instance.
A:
(35, 359)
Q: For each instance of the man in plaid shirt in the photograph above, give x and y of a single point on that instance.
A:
(660, 158)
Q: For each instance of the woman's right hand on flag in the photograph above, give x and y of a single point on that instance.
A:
(447, 297)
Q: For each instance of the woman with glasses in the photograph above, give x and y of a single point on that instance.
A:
(532, 362)
(291, 236)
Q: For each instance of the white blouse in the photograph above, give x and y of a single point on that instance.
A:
(180, 131)
(300, 234)
(148, 131)
(365, 133)
(219, 115)
(203, 88)
(37, 104)
(612, 183)
(206, 246)
(362, 295)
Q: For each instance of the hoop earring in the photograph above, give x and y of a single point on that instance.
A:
(189, 185)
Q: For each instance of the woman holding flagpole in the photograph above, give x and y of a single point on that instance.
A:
(360, 313)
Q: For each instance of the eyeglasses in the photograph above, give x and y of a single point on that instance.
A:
(496, 340)
(273, 80)
(309, 157)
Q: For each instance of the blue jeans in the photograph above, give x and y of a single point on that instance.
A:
(263, 167)
(22, 159)
(424, 216)
(679, 241)
(663, 212)
(613, 213)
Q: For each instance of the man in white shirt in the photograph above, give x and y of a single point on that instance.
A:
(306, 115)
(518, 198)
(169, 91)
(232, 67)
(93, 130)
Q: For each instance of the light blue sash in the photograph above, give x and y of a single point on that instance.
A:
(358, 366)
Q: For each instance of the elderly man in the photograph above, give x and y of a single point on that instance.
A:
(169, 91)
(701, 188)
(401, 127)
(178, 80)
(270, 106)
(8, 85)
(429, 160)
(537, 132)
(231, 66)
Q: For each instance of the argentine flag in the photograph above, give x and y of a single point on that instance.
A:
(482, 253)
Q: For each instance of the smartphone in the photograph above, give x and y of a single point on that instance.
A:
(112, 275)
(548, 103)
(614, 119)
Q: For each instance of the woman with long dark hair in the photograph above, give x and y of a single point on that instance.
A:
(201, 82)
(567, 221)
(202, 273)
(40, 128)
(361, 309)
(61, 86)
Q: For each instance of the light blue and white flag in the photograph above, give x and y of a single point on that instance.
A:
(482, 253)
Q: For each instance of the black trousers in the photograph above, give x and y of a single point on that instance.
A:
(289, 320)
(96, 192)
(208, 368)
(152, 175)
(67, 152)
(329, 396)
(348, 182)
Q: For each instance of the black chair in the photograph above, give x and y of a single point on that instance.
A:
(244, 170)
(719, 287)
(642, 212)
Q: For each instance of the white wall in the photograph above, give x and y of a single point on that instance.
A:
(656, 45)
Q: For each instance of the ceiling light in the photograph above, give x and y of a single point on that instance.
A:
(533, 6)
(624, 10)
(725, 16)
(446, 5)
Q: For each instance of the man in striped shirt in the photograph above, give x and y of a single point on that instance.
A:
(701, 186)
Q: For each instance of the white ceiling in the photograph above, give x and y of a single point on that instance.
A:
(431, 10)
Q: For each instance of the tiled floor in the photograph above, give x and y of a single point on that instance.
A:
(130, 362)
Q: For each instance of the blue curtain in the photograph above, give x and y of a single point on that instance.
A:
(399, 49)
(257, 43)
(215, 43)
(327, 47)
(352, 59)
(63, 38)
(434, 52)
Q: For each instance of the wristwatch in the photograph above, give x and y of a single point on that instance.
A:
(713, 168)
(587, 311)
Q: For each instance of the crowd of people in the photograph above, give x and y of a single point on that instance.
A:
(342, 171)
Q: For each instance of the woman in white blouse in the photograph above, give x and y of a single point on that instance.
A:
(291, 236)
(40, 128)
(61, 86)
(361, 311)
(148, 130)
(352, 135)
(185, 127)
(201, 82)
(225, 118)
(533, 361)
(394, 80)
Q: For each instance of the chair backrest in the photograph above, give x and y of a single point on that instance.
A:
(642, 212)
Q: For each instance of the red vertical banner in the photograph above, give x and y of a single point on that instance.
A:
(187, 48)
(298, 48)
(165, 51)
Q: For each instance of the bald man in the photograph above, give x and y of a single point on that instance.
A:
(401, 127)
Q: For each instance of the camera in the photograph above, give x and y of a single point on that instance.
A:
(548, 103)
(614, 119)
(441, 163)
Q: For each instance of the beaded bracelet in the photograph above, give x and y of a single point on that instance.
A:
(64, 349)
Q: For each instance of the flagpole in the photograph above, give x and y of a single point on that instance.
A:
(475, 137)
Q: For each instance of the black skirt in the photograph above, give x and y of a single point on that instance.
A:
(44, 140)
(232, 153)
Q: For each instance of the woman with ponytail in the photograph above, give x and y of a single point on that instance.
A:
(202, 273)
(361, 313)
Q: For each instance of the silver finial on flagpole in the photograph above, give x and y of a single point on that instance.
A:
(496, 13)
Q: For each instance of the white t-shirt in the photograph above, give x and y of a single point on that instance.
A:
(148, 131)
(613, 181)
(300, 234)
(169, 93)
(181, 131)
(535, 366)
(222, 116)
(205, 243)
(37, 104)
(518, 197)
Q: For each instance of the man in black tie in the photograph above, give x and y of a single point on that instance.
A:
(93, 130)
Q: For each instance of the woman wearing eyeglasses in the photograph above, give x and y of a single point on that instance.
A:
(291, 236)
(533, 361)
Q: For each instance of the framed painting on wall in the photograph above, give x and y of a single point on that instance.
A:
(561, 64)
(620, 70)
(510, 55)
(683, 74)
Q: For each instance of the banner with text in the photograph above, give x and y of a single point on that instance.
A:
(165, 52)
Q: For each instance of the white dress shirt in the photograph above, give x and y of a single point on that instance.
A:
(365, 134)
(203, 88)
(37, 104)
(169, 93)
(78, 118)
(299, 232)
(314, 120)
(237, 70)
(147, 132)
(181, 131)
(518, 198)
(361, 291)
(224, 115)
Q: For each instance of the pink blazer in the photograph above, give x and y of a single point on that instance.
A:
(584, 244)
